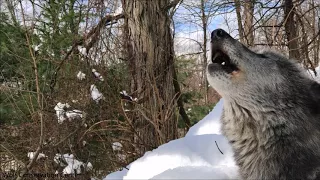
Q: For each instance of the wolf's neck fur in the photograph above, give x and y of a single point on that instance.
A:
(255, 133)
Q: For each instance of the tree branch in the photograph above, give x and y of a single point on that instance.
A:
(93, 34)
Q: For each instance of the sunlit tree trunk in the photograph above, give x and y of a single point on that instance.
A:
(150, 55)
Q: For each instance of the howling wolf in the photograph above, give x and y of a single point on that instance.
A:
(271, 113)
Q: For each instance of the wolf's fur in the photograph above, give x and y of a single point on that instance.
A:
(271, 112)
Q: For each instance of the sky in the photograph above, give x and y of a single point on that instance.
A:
(188, 28)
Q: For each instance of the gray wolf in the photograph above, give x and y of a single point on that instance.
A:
(271, 113)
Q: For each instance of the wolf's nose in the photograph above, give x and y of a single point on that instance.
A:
(218, 34)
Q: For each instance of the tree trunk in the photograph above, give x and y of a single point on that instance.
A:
(204, 19)
(291, 30)
(248, 11)
(238, 12)
(150, 55)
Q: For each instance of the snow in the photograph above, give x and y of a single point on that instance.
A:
(196, 156)
(125, 95)
(73, 165)
(63, 114)
(95, 93)
(118, 11)
(116, 146)
(60, 112)
(97, 75)
(209, 124)
(81, 75)
(74, 114)
(193, 172)
(31, 155)
(82, 50)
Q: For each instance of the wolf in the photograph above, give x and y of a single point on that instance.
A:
(271, 111)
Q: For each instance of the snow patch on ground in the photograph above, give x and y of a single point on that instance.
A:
(97, 74)
(81, 75)
(63, 114)
(31, 155)
(95, 93)
(126, 96)
(116, 146)
(73, 165)
(82, 50)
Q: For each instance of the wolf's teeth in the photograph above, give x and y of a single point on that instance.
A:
(223, 63)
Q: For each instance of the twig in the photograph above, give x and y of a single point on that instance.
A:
(218, 147)
(93, 34)
(39, 101)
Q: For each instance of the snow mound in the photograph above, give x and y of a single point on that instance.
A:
(202, 154)
(200, 172)
(209, 124)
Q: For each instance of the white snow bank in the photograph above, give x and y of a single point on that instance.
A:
(200, 172)
(196, 156)
(209, 124)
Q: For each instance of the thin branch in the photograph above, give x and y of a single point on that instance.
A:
(93, 34)
(218, 147)
(39, 101)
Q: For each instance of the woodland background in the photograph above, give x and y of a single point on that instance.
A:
(151, 57)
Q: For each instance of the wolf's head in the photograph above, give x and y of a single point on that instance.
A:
(237, 72)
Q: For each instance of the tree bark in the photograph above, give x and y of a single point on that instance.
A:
(239, 18)
(291, 30)
(248, 11)
(150, 55)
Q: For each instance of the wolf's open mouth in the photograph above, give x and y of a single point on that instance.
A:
(218, 57)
